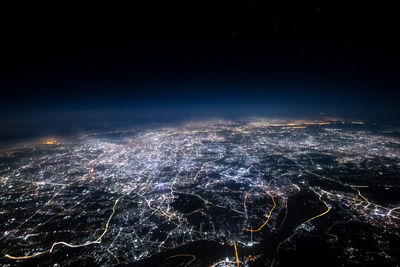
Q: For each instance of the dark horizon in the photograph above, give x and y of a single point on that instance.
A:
(163, 64)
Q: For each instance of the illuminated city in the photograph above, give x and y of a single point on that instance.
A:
(199, 134)
(252, 191)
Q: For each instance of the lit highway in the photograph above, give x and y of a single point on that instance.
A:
(255, 190)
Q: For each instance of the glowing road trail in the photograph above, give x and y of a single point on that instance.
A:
(197, 189)
(98, 240)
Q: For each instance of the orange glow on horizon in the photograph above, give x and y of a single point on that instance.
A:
(50, 141)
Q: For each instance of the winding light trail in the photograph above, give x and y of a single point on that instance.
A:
(98, 240)
(326, 204)
(269, 216)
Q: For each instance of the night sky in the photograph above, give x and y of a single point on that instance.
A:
(65, 66)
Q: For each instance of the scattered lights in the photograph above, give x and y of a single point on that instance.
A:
(151, 191)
